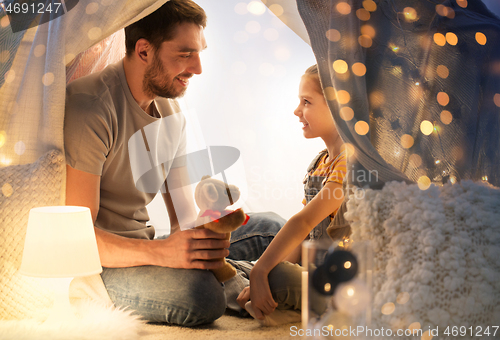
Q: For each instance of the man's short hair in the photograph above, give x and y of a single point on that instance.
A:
(160, 25)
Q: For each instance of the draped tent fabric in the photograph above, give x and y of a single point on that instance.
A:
(33, 72)
(35, 66)
(413, 86)
(97, 57)
(414, 89)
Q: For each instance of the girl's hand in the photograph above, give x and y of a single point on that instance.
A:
(260, 296)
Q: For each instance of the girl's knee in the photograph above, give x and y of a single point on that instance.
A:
(285, 281)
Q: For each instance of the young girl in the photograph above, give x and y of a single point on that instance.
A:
(323, 191)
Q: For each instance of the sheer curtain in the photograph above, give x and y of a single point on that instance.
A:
(413, 86)
(33, 70)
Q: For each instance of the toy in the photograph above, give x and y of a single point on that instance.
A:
(212, 197)
(339, 266)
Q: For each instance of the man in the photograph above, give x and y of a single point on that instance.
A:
(105, 113)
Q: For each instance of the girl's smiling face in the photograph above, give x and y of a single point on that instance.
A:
(313, 111)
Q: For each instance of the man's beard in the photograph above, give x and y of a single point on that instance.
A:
(158, 82)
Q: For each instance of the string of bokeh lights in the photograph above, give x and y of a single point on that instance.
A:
(342, 72)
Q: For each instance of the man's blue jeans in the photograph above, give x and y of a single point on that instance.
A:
(192, 297)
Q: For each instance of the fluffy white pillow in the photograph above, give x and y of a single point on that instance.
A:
(436, 253)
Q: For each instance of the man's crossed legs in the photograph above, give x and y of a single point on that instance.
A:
(192, 297)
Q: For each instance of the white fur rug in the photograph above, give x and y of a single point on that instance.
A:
(95, 322)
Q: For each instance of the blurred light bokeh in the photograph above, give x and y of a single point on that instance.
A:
(245, 98)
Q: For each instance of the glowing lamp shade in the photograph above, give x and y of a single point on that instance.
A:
(60, 242)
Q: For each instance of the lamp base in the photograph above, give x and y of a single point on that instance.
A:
(61, 312)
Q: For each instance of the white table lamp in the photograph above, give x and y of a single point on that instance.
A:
(60, 243)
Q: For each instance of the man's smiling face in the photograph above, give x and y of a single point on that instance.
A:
(175, 62)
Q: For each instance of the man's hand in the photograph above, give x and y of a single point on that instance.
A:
(243, 297)
(190, 249)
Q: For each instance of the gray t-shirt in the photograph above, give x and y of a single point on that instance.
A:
(106, 133)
